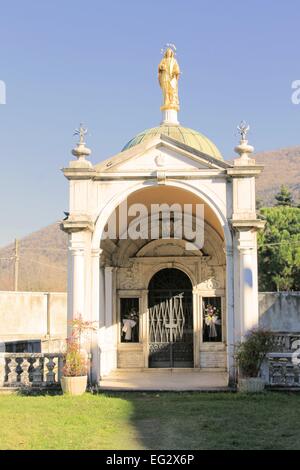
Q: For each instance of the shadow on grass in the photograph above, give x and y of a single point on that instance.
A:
(212, 421)
(181, 420)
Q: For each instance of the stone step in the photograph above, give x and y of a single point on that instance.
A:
(9, 390)
(156, 370)
(165, 380)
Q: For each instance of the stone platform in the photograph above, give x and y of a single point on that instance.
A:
(165, 380)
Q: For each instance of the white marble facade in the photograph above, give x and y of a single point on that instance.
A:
(102, 272)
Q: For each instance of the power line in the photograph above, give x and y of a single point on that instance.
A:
(47, 264)
(16, 267)
(44, 249)
(35, 261)
(292, 242)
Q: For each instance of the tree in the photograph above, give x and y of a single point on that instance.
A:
(279, 249)
(284, 197)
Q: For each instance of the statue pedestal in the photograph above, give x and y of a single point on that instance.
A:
(169, 116)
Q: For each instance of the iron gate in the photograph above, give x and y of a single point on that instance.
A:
(170, 320)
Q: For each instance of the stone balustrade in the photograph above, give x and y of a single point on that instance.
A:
(287, 342)
(30, 369)
(284, 370)
(284, 364)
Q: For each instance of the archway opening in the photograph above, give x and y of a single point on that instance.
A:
(165, 328)
(170, 310)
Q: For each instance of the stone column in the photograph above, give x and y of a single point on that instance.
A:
(76, 290)
(108, 342)
(101, 335)
(248, 290)
(247, 280)
(95, 311)
(102, 297)
(95, 314)
(230, 321)
(197, 327)
(108, 274)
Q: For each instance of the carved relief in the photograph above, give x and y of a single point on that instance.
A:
(133, 273)
(160, 160)
(210, 278)
(130, 277)
(168, 249)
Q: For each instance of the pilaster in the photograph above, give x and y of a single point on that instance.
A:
(76, 290)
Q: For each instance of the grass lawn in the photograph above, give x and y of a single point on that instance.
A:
(151, 421)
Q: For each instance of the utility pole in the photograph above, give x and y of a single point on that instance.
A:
(16, 270)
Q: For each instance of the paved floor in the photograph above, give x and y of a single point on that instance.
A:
(165, 379)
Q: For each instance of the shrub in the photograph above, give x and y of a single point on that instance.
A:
(251, 352)
(75, 362)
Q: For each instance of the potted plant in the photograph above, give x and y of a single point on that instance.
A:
(74, 374)
(250, 354)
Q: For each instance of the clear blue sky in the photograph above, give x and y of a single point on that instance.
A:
(67, 61)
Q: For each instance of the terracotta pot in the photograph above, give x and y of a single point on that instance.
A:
(74, 385)
(251, 385)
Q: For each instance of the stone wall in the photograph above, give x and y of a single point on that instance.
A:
(34, 316)
(280, 311)
(43, 316)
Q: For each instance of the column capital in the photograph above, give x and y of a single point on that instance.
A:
(96, 252)
(246, 250)
(228, 250)
(78, 251)
(76, 247)
(248, 225)
(245, 241)
(109, 269)
(77, 222)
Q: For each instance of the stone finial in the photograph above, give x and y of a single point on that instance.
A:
(81, 151)
(244, 149)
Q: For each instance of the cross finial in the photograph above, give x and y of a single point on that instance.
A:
(243, 148)
(243, 129)
(81, 131)
(81, 151)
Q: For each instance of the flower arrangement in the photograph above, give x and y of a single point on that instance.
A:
(129, 323)
(211, 319)
(132, 315)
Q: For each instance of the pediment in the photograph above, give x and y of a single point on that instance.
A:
(160, 154)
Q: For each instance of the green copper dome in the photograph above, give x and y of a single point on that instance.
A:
(183, 134)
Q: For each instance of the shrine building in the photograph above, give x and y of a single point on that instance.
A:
(162, 247)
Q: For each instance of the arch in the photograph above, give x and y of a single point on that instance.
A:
(212, 243)
(207, 196)
(170, 319)
(182, 279)
(173, 264)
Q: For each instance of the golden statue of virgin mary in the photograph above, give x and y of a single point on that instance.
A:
(168, 75)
